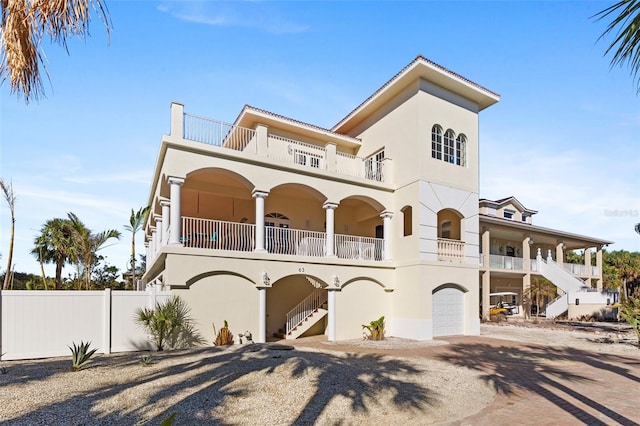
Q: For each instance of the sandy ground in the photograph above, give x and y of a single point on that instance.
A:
(353, 382)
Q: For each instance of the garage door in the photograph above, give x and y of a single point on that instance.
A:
(448, 312)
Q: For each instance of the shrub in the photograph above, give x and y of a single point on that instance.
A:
(80, 355)
(169, 324)
(147, 360)
(629, 310)
(224, 337)
(376, 329)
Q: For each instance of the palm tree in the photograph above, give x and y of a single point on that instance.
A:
(87, 245)
(136, 221)
(55, 244)
(10, 198)
(626, 44)
(637, 228)
(540, 289)
(23, 25)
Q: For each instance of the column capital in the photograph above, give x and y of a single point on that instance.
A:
(157, 217)
(164, 202)
(386, 214)
(174, 180)
(256, 193)
(330, 205)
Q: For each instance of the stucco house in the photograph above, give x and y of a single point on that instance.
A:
(286, 228)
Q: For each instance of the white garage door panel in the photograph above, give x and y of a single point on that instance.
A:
(448, 312)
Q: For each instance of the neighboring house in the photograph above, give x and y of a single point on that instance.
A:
(513, 250)
(285, 228)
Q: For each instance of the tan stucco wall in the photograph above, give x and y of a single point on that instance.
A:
(214, 299)
(360, 302)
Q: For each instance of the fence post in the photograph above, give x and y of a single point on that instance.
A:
(106, 331)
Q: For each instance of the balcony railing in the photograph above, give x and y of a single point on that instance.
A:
(581, 270)
(506, 262)
(451, 250)
(225, 135)
(217, 133)
(222, 235)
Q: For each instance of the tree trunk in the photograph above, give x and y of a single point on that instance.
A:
(58, 275)
(5, 285)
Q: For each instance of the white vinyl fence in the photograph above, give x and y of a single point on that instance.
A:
(41, 324)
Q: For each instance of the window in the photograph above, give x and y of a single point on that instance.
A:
(373, 166)
(445, 230)
(449, 152)
(307, 159)
(508, 214)
(461, 147)
(524, 218)
(436, 142)
(453, 150)
(407, 212)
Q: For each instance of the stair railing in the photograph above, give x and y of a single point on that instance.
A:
(304, 309)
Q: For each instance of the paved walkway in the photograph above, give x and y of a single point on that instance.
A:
(535, 385)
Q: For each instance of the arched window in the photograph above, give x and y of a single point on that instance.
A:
(407, 212)
(445, 230)
(449, 151)
(436, 142)
(461, 150)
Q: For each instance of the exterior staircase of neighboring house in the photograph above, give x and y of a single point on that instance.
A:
(305, 314)
(569, 284)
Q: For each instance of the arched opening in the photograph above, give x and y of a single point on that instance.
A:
(359, 229)
(296, 307)
(450, 243)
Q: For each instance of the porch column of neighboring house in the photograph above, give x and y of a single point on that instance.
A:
(386, 233)
(175, 219)
(526, 279)
(166, 205)
(330, 225)
(486, 275)
(599, 266)
(560, 253)
(587, 265)
(259, 196)
(148, 258)
(331, 314)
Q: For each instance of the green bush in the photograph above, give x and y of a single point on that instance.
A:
(376, 329)
(169, 324)
(629, 310)
(80, 355)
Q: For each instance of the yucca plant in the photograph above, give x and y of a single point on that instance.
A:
(169, 324)
(224, 337)
(80, 355)
(147, 360)
(376, 329)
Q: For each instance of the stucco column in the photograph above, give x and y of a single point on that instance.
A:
(177, 120)
(330, 156)
(587, 265)
(486, 290)
(486, 248)
(526, 279)
(330, 225)
(175, 219)
(259, 196)
(154, 241)
(262, 315)
(331, 315)
(159, 230)
(148, 256)
(560, 253)
(166, 206)
(262, 138)
(599, 266)
(386, 229)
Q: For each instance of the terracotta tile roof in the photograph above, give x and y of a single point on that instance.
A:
(248, 107)
(418, 58)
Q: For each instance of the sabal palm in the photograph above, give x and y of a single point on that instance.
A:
(87, 245)
(55, 244)
(626, 44)
(539, 289)
(23, 25)
(136, 221)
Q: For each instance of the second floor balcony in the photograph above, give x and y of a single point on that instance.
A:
(223, 235)
(260, 142)
(517, 264)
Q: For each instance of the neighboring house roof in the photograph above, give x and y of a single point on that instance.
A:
(420, 67)
(250, 115)
(567, 237)
(504, 201)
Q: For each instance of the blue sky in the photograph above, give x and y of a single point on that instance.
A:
(565, 138)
